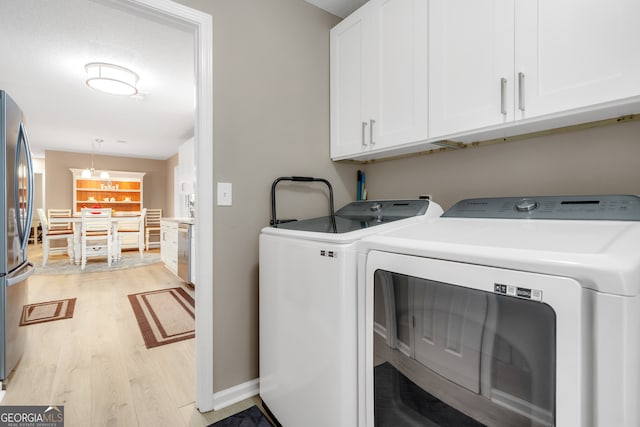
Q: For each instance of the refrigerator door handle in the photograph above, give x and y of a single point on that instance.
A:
(27, 270)
(23, 226)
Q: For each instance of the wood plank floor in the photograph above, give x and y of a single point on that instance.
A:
(96, 364)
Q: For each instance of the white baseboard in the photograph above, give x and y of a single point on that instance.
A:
(227, 397)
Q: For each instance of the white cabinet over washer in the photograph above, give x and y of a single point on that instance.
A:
(409, 75)
(379, 77)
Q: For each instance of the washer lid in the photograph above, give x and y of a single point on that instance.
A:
(352, 227)
(361, 215)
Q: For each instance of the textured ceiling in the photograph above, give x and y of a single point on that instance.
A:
(339, 8)
(45, 45)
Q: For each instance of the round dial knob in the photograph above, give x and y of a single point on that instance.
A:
(526, 205)
(376, 207)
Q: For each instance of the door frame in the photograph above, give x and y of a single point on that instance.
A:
(202, 25)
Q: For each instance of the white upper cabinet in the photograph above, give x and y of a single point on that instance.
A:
(379, 77)
(576, 53)
(407, 75)
(495, 61)
(471, 57)
(348, 85)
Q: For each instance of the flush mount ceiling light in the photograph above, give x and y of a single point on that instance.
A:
(112, 79)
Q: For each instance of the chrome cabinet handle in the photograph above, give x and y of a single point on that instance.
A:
(364, 131)
(503, 96)
(521, 91)
(371, 123)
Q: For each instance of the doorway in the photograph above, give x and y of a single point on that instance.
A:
(202, 25)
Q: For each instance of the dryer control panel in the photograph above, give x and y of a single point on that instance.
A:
(597, 208)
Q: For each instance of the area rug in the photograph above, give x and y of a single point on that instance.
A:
(164, 316)
(59, 264)
(251, 417)
(47, 311)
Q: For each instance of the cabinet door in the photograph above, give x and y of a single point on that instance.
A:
(576, 53)
(398, 73)
(347, 70)
(471, 45)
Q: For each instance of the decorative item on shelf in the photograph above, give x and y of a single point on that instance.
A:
(91, 199)
(109, 186)
(121, 184)
(127, 199)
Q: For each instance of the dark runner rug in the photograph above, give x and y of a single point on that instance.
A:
(164, 316)
(47, 311)
(251, 417)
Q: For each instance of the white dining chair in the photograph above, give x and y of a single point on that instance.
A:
(131, 234)
(96, 235)
(152, 228)
(58, 234)
(59, 213)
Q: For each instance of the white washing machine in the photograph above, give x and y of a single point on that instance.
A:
(504, 312)
(308, 349)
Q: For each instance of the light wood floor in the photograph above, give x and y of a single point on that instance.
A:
(96, 364)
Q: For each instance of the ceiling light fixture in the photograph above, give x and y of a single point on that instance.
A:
(89, 172)
(112, 79)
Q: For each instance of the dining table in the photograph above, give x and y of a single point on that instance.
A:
(76, 221)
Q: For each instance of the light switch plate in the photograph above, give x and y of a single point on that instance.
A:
(224, 194)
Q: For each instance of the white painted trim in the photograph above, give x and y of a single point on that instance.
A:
(202, 24)
(235, 394)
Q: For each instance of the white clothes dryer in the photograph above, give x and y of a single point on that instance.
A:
(504, 311)
(308, 349)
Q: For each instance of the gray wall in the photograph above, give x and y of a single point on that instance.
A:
(271, 118)
(603, 160)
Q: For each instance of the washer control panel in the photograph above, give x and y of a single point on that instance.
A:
(384, 208)
(602, 208)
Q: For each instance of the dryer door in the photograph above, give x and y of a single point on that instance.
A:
(490, 346)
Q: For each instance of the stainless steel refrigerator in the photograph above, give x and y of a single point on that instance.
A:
(16, 211)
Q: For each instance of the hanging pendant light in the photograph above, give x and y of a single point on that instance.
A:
(112, 79)
(90, 172)
(103, 174)
(86, 173)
